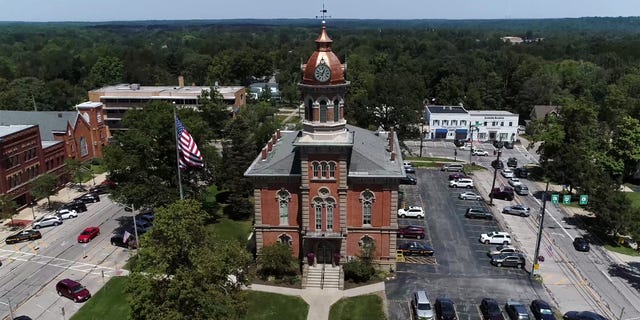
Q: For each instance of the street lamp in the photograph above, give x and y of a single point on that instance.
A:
(495, 173)
(538, 240)
(132, 209)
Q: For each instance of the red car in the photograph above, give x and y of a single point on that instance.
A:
(456, 176)
(88, 234)
(411, 231)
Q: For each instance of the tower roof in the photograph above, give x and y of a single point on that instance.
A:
(323, 54)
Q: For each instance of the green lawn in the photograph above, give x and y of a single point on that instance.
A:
(227, 229)
(266, 306)
(635, 198)
(108, 303)
(622, 250)
(361, 307)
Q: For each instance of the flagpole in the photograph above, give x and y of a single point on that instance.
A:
(175, 130)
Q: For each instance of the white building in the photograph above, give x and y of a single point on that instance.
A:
(455, 122)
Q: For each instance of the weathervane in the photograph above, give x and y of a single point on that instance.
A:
(324, 14)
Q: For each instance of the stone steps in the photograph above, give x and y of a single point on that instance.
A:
(331, 277)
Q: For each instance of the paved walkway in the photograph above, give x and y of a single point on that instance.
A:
(321, 300)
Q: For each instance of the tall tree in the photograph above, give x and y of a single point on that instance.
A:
(182, 273)
(7, 206)
(106, 71)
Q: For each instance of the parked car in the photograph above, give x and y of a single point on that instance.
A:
(458, 167)
(495, 237)
(421, 306)
(506, 193)
(409, 169)
(66, 214)
(508, 145)
(459, 142)
(514, 181)
(490, 309)
(412, 212)
(497, 164)
(521, 172)
(88, 198)
(497, 144)
(411, 231)
(46, 221)
(77, 206)
(88, 234)
(478, 213)
(118, 240)
(508, 260)
(72, 290)
(583, 315)
(416, 248)
(467, 147)
(147, 216)
(541, 310)
(516, 310)
(143, 224)
(479, 152)
(581, 244)
(99, 189)
(502, 249)
(24, 235)
(446, 309)
(521, 190)
(507, 173)
(512, 162)
(461, 183)
(458, 175)
(408, 179)
(519, 210)
(469, 195)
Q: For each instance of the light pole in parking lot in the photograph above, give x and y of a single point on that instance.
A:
(535, 266)
(471, 128)
(495, 174)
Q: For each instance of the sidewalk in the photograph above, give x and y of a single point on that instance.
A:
(64, 195)
(321, 300)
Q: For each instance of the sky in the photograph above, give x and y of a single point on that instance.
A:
(123, 10)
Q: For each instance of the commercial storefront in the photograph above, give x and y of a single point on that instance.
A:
(455, 122)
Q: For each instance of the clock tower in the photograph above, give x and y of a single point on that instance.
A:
(323, 90)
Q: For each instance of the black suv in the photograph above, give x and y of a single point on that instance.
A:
(521, 172)
(88, 198)
(497, 164)
(512, 162)
(478, 213)
(76, 205)
(498, 144)
(508, 145)
(408, 180)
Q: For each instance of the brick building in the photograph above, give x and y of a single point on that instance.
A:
(330, 188)
(37, 142)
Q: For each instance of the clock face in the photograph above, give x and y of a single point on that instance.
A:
(322, 73)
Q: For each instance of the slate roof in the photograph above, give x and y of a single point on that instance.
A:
(49, 121)
(6, 130)
(369, 157)
(541, 111)
(446, 109)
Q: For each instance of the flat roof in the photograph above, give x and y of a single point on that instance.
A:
(11, 129)
(126, 90)
(446, 109)
(491, 113)
(89, 104)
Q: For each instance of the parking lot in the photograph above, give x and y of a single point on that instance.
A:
(460, 268)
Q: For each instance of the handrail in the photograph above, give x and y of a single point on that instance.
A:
(322, 277)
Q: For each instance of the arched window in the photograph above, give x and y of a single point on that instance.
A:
(323, 111)
(317, 204)
(330, 205)
(308, 111)
(316, 169)
(332, 169)
(367, 198)
(336, 110)
(83, 147)
(367, 247)
(285, 239)
(325, 168)
(283, 206)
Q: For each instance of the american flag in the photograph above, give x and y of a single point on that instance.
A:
(189, 153)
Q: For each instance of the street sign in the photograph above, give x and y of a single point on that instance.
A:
(555, 198)
(566, 199)
(584, 199)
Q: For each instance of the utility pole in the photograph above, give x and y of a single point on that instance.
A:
(471, 150)
(544, 206)
(421, 134)
(495, 174)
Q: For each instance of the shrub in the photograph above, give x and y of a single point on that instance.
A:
(276, 260)
(358, 270)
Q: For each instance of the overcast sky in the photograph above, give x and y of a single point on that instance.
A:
(113, 10)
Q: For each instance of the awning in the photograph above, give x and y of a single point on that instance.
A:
(461, 131)
(441, 130)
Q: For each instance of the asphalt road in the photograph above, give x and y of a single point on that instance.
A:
(30, 270)
(462, 270)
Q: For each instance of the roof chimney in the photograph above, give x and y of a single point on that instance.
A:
(391, 143)
(278, 134)
(180, 81)
(270, 145)
(264, 154)
(393, 156)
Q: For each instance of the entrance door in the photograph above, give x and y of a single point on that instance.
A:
(324, 253)
(492, 135)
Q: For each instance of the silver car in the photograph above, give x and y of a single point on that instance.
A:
(46, 221)
(469, 196)
(518, 210)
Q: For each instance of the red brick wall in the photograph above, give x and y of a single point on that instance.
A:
(380, 210)
(271, 237)
(271, 209)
